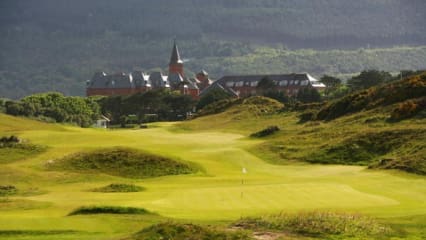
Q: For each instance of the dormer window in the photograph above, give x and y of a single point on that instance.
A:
(230, 84)
(283, 83)
(239, 84)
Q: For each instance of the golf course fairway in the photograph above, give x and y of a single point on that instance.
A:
(230, 183)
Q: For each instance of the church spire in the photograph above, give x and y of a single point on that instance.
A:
(176, 64)
(175, 58)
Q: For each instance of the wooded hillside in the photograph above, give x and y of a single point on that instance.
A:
(50, 45)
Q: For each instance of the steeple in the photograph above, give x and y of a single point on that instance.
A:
(176, 64)
(175, 58)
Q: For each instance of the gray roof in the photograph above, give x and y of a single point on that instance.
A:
(273, 77)
(140, 79)
(175, 57)
(191, 84)
(217, 85)
(118, 80)
(157, 80)
(203, 73)
(175, 79)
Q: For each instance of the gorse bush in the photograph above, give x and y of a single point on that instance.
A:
(408, 109)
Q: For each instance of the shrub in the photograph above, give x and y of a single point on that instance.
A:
(308, 116)
(7, 190)
(108, 210)
(11, 140)
(408, 109)
(117, 187)
(266, 132)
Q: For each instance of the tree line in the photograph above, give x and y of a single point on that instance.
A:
(165, 105)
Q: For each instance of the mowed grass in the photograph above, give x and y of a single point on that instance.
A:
(221, 193)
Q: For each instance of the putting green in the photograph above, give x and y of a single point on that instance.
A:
(221, 192)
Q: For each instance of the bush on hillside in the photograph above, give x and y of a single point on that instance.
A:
(266, 132)
(412, 163)
(409, 88)
(408, 109)
(78, 110)
(365, 148)
(12, 139)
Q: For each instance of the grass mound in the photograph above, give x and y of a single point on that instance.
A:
(108, 210)
(13, 149)
(179, 231)
(9, 204)
(123, 162)
(317, 224)
(365, 148)
(119, 187)
(218, 106)
(256, 105)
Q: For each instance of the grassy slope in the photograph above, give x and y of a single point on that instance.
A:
(220, 194)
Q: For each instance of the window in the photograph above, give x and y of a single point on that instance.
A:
(304, 82)
(239, 84)
(296, 82)
(254, 83)
(229, 84)
(283, 83)
(291, 82)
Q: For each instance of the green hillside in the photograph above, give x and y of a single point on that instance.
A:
(52, 45)
(227, 184)
(382, 127)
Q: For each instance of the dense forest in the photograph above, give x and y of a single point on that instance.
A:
(55, 45)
